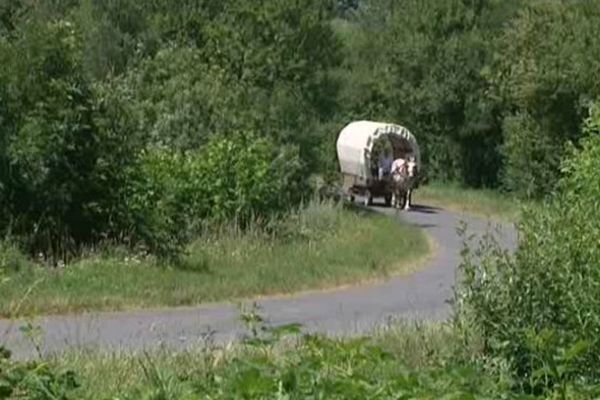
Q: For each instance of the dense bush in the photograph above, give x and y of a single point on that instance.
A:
(533, 158)
(242, 178)
(539, 310)
(108, 113)
(547, 75)
(34, 380)
(63, 146)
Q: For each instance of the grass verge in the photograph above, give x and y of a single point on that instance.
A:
(321, 247)
(308, 367)
(428, 361)
(482, 202)
(408, 362)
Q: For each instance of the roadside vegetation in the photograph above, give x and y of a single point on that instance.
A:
(485, 203)
(139, 125)
(132, 134)
(525, 327)
(412, 362)
(321, 246)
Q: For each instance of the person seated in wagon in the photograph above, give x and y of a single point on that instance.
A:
(385, 164)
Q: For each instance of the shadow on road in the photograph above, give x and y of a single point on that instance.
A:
(415, 208)
(425, 226)
(420, 208)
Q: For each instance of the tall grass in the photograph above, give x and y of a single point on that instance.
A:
(320, 246)
(406, 362)
(486, 203)
(303, 367)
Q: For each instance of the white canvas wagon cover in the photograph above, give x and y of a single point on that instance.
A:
(356, 140)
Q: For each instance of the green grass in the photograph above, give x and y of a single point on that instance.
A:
(408, 362)
(429, 361)
(322, 247)
(311, 367)
(482, 202)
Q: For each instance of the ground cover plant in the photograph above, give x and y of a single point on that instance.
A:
(404, 361)
(307, 367)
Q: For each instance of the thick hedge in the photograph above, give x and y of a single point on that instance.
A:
(539, 310)
(132, 124)
(171, 195)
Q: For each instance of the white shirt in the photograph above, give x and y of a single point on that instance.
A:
(397, 164)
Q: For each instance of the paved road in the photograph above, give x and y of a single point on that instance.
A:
(346, 311)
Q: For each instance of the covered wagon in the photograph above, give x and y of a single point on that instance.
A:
(360, 148)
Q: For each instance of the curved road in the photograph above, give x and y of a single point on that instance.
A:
(354, 310)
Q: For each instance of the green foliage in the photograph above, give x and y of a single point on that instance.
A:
(539, 310)
(531, 169)
(89, 91)
(242, 178)
(278, 363)
(249, 177)
(36, 381)
(315, 367)
(11, 259)
(425, 67)
(548, 89)
(493, 90)
(326, 369)
(62, 146)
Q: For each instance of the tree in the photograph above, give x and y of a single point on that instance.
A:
(63, 147)
(546, 78)
(426, 67)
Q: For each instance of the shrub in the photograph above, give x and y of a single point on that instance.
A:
(548, 74)
(11, 258)
(539, 310)
(38, 381)
(64, 146)
(531, 158)
(312, 222)
(89, 90)
(243, 178)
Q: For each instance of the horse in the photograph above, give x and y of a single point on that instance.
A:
(403, 181)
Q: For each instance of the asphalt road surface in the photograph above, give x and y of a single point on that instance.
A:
(347, 311)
